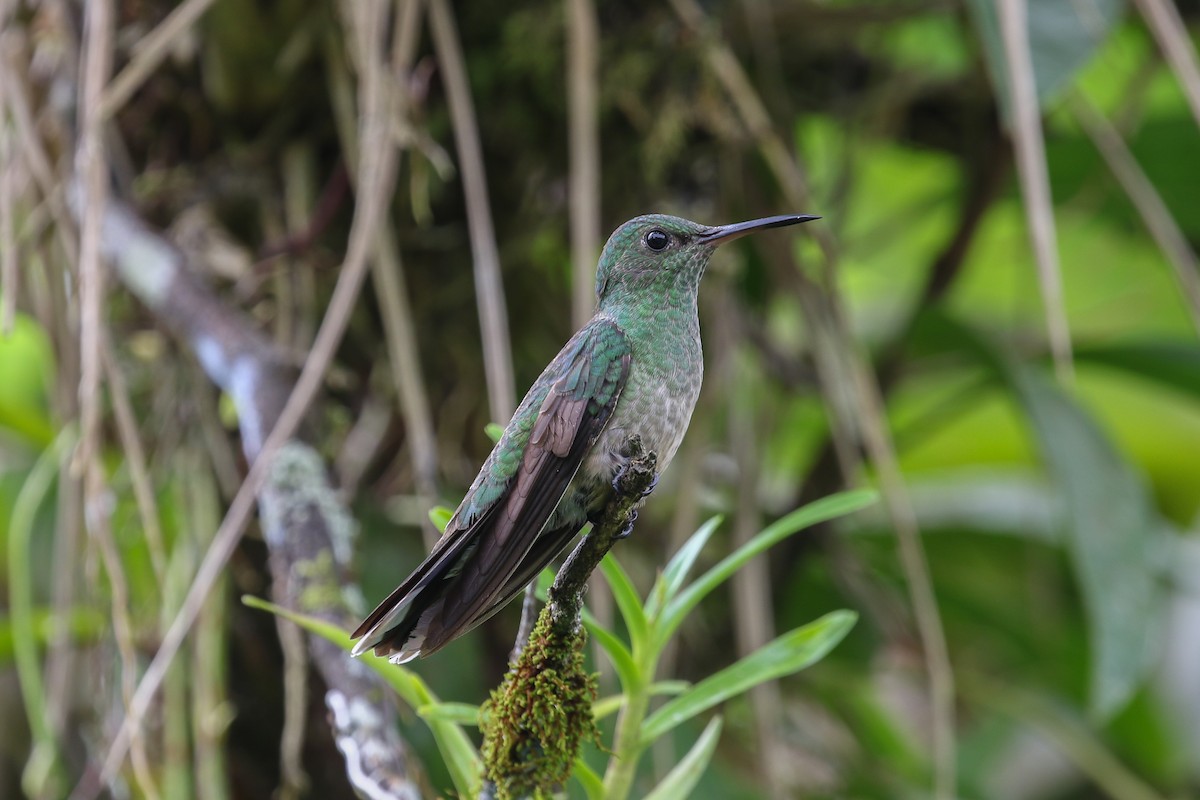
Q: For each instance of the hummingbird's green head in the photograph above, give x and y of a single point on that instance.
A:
(658, 252)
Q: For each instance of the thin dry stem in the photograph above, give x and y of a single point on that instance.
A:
(1035, 180)
(97, 62)
(583, 134)
(404, 357)
(1146, 199)
(135, 461)
(751, 585)
(101, 533)
(1173, 39)
(489, 290)
(150, 52)
(293, 779)
(8, 234)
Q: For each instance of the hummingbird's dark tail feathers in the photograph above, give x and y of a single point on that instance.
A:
(400, 628)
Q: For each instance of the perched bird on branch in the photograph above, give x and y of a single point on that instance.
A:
(634, 369)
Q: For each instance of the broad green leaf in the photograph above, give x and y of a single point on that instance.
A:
(627, 600)
(606, 706)
(461, 713)
(671, 580)
(1063, 36)
(440, 517)
(826, 508)
(682, 779)
(593, 787)
(789, 653)
(462, 760)
(1112, 527)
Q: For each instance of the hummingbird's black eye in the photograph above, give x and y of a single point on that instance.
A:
(657, 240)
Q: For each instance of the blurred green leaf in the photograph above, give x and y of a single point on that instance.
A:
(826, 508)
(461, 713)
(791, 652)
(1174, 364)
(27, 363)
(462, 760)
(1112, 527)
(494, 431)
(671, 580)
(440, 517)
(680, 781)
(1063, 36)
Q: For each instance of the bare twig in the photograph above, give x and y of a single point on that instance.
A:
(150, 52)
(8, 234)
(1035, 182)
(1172, 35)
(1154, 212)
(489, 290)
(135, 460)
(583, 131)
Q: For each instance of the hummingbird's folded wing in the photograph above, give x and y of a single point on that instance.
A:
(471, 569)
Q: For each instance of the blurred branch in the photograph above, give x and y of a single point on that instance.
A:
(489, 289)
(1171, 33)
(1030, 147)
(1146, 199)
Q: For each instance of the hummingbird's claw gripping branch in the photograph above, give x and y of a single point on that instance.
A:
(524, 749)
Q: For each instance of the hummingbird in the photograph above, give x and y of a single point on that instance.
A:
(634, 369)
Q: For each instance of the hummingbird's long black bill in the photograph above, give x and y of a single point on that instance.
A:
(727, 233)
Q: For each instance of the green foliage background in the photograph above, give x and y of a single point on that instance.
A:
(1058, 520)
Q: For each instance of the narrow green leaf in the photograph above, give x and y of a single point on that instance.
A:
(680, 781)
(1112, 528)
(627, 600)
(618, 653)
(790, 653)
(826, 508)
(462, 760)
(675, 573)
(461, 713)
(593, 787)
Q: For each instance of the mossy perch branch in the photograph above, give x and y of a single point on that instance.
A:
(542, 711)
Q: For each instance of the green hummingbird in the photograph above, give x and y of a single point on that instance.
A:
(634, 368)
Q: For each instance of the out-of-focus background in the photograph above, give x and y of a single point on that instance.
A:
(995, 323)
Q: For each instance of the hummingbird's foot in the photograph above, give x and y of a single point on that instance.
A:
(628, 529)
(622, 479)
